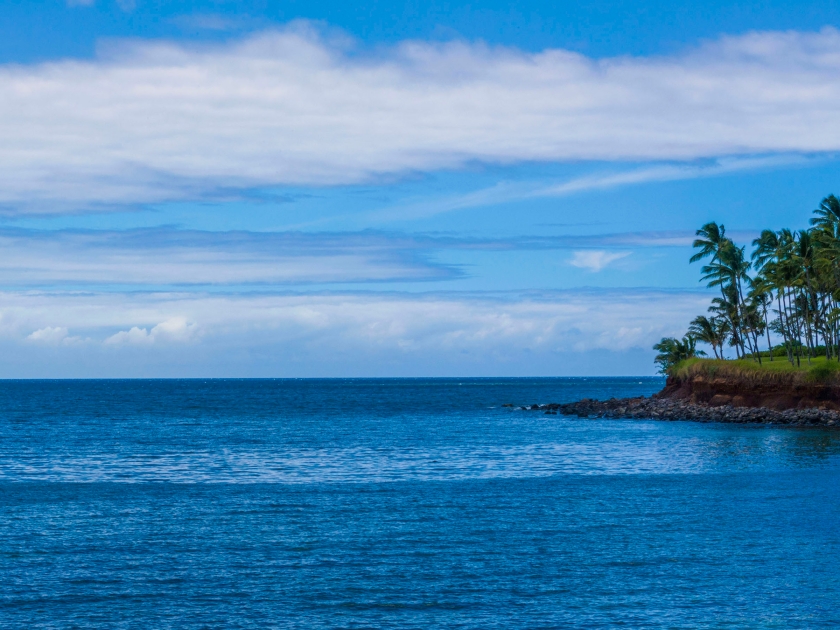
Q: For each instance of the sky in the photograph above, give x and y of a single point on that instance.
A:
(325, 189)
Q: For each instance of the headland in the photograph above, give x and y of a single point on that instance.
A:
(709, 390)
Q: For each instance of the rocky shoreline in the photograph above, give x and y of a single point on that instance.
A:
(675, 409)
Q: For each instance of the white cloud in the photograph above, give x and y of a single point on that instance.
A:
(595, 259)
(176, 329)
(54, 336)
(134, 336)
(337, 334)
(157, 121)
(49, 335)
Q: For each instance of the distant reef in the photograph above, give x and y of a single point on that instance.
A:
(727, 391)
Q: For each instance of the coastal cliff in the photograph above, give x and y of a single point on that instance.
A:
(742, 384)
(728, 391)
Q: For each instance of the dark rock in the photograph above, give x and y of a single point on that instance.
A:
(721, 410)
(719, 400)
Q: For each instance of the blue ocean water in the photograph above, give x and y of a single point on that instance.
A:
(403, 503)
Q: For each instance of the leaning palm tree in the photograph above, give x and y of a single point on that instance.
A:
(725, 311)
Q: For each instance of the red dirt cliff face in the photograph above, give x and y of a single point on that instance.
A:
(719, 391)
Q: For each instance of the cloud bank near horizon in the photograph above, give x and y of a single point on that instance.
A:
(108, 334)
(152, 121)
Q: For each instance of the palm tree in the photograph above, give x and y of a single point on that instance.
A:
(710, 330)
(712, 237)
(826, 266)
(760, 299)
(778, 273)
(730, 270)
(828, 213)
(790, 285)
(725, 309)
(767, 252)
(672, 351)
(766, 248)
(711, 241)
(804, 259)
(787, 273)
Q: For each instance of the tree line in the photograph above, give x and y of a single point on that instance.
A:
(789, 285)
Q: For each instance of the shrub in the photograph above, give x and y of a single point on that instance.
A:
(822, 372)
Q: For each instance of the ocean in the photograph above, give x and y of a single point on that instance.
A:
(403, 503)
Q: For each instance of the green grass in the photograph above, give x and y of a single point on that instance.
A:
(779, 370)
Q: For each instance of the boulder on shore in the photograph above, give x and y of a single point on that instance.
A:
(676, 409)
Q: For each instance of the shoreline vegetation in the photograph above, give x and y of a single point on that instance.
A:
(789, 286)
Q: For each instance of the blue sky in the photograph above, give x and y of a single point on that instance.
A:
(407, 189)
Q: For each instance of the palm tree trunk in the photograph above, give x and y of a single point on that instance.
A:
(793, 320)
(767, 329)
(784, 323)
(739, 310)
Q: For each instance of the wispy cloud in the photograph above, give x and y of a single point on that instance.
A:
(669, 172)
(153, 121)
(166, 257)
(595, 259)
(508, 192)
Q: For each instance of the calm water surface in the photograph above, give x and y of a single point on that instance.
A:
(403, 503)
